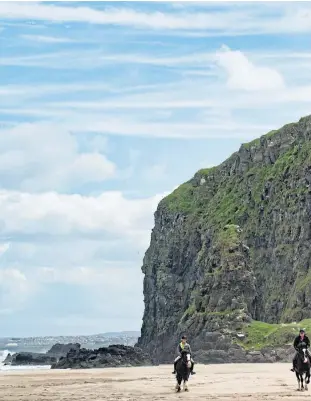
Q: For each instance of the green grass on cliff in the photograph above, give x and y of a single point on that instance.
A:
(256, 142)
(260, 334)
(181, 199)
(223, 199)
(228, 237)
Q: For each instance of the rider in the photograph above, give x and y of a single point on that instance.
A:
(181, 346)
(299, 339)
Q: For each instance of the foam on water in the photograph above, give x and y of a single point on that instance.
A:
(4, 354)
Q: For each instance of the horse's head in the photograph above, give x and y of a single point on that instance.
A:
(302, 350)
(186, 357)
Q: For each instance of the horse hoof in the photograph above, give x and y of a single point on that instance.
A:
(186, 389)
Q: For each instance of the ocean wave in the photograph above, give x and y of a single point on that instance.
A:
(24, 367)
(4, 354)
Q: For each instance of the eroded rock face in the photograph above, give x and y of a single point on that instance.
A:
(232, 245)
(112, 356)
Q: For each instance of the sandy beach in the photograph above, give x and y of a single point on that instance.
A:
(213, 382)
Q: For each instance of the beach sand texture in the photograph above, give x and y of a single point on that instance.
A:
(212, 382)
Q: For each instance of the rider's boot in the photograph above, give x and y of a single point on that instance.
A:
(173, 373)
(191, 369)
(293, 368)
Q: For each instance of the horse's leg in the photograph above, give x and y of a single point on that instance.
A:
(298, 381)
(308, 377)
(186, 385)
(177, 387)
(301, 382)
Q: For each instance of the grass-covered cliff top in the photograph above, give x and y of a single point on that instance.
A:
(221, 194)
(260, 334)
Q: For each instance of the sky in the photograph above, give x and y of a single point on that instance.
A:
(104, 109)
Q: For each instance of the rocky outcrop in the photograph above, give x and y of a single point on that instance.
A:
(36, 358)
(230, 249)
(112, 356)
(31, 358)
(58, 350)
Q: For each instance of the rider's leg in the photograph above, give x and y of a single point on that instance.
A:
(192, 366)
(294, 362)
(176, 359)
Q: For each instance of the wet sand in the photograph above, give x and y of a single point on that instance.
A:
(212, 382)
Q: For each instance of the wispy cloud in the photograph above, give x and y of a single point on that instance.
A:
(87, 59)
(47, 39)
(248, 20)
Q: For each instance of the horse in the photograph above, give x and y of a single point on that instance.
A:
(302, 367)
(183, 366)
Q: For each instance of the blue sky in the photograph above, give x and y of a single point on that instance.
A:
(104, 109)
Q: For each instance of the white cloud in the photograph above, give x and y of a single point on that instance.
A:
(46, 39)
(43, 89)
(90, 59)
(15, 290)
(65, 215)
(74, 250)
(107, 278)
(266, 19)
(243, 74)
(42, 156)
(115, 16)
(4, 247)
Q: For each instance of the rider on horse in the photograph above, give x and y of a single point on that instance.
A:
(301, 338)
(183, 345)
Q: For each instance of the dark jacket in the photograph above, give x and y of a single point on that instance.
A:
(187, 347)
(299, 340)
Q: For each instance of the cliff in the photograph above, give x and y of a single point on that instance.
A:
(229, 258)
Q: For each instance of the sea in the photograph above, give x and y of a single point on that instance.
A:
(43, 344)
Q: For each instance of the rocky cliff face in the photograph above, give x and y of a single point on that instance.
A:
(231, 249)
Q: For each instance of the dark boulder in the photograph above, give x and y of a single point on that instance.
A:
(32, 358)
(112, 356)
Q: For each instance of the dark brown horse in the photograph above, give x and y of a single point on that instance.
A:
(302, 367)
(183, 366)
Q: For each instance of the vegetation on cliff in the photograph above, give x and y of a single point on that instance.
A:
(230, 250)
(259, 334)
